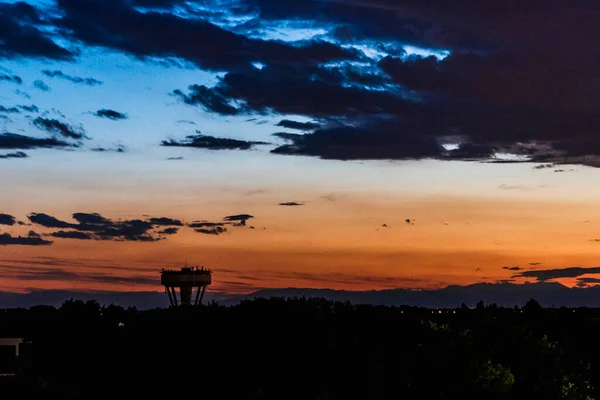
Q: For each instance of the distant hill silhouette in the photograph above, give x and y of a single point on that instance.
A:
(548, 294)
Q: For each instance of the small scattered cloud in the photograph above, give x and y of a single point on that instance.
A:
(302, 126)
(39, 84)
(211, 231)
(15, 141)
(209, 99)
(55, 126)
(9, 110)
(118, 149)
(238, 218)
(204, 224)
(6, 219)
(71, 78)
(210, 142)
(513, 268)
(164, 221)
(30, 108)
(169, 231)
(543, 166)
(546, 274)
(7, 240)
(174, 158)
(10, 78)
(291, 204)
(589, 280)
(17, 154)
(110, 114)
(72, 235)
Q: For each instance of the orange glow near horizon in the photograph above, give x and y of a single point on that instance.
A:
(335, 242)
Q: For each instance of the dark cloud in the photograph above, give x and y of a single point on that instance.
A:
(238, 217)
(379, 141)
(513, 268)
(118, 149)
(589, 280)
(31, 108)
(317, 92)
(57, 127)
(209, 99)
(164, 221)
(10, 78)
(19, 35)
(303, 126)
(291, 204)
(17, 109)
(7, 240)
(14, 141)
(9, 110)
(503, 85)
(169, 231)
(118, 25)
(71, 78)
(110, 114)
(570, 272)
(17, 154)
(95, 226)
(211, 231)
(48, 221)
(210, 142)
(72, 235)
(519, 75)
(34, 234)
(38, 84)
(6, 219)
(91, 218)
(204, 224)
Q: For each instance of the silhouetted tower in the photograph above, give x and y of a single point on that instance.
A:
(186, 280)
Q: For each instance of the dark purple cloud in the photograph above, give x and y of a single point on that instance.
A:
(110, 114)
(21, 37)
(57, 127)
(15, 141)
(6, 219)
(546, 274)
(6, 239)
(200, 141)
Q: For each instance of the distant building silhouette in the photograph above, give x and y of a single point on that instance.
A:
(10, 349)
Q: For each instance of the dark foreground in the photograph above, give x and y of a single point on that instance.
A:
(305, 349)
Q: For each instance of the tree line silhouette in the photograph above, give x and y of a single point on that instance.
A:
(305, 348)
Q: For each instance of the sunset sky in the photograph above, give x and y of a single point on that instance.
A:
(377, 143)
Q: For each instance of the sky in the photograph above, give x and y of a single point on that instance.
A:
(341, 144)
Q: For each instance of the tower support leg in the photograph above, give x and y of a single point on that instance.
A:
(174, 295)
(202, 295)
(197, 296)
(170, 297)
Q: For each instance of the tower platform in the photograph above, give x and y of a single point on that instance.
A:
(186, 280)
